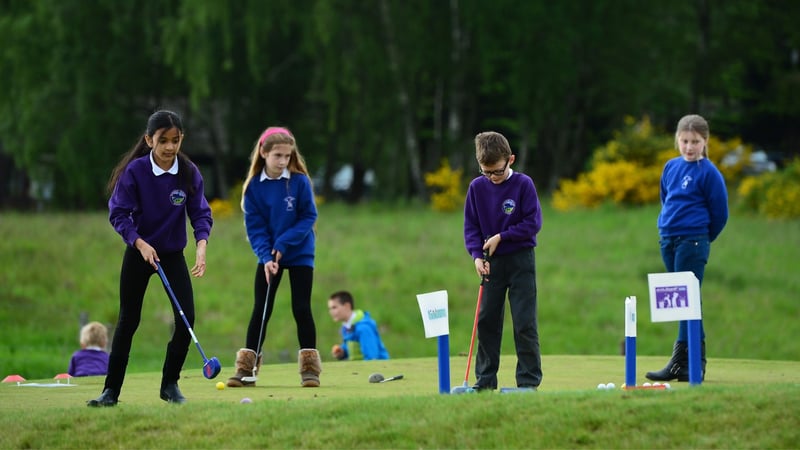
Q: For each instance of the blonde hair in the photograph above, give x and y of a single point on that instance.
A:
(94, 334)
(696, 124)
(269, 138)
(491, 147)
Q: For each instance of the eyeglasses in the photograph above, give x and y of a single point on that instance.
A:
(497, 173)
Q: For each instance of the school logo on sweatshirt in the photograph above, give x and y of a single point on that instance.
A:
(686, 180)
(177, 197)
(509, 206)
(289, 203)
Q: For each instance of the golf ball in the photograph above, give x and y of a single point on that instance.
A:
(601, 386)
(610, 386)
(667, 386)
(246, 400)
(220, 385)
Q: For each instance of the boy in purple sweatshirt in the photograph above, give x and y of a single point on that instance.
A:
(502, 216)
(155, 188)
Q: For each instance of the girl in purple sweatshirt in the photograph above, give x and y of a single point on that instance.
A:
(155, 188)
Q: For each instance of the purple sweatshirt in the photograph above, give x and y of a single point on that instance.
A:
(88, 362)
(155, 208)
(510, 208)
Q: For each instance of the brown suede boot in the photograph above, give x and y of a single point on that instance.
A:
(310, 367)
(245, 363)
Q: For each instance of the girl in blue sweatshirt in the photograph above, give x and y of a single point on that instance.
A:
(155, 188)
(279, 216)
(694, 210)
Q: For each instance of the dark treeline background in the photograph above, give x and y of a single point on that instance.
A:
(385, 85)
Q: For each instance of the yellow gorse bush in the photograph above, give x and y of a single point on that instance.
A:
(627, 171)
(221, 208)
(447, 187)
(775, 195)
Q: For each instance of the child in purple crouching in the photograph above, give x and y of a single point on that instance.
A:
(92, 358)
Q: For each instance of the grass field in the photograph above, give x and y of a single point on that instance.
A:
(743, 404)
(57, 266)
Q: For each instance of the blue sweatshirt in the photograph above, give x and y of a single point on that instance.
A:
(361, 338)
(155, 208)
(280, 214)
(694, 199)
(510, 208)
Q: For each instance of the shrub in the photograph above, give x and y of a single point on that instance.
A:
(773, 194)
(627, 169)
(448, 190)
(221, 208)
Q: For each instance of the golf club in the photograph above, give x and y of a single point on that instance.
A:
(466, 389)
(211, 367)
(254, 378)
(396, 377)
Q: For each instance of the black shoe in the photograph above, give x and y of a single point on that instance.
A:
(170, 393)
(107, 398)
(479, 388)
(677, 367)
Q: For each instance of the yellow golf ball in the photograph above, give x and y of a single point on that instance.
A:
(220, 385)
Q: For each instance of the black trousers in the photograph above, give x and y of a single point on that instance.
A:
(134, 278)
(513, 274)
(301, 279)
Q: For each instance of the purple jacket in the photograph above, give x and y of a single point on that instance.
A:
(510, 208)
(155, 208)
(88, 362)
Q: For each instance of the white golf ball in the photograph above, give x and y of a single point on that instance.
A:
(646, 385)
(611, 386)
(246, 400)
(667, 386)
(601, 386)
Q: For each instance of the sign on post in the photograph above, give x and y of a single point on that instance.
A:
(433, 307)
(675, 296)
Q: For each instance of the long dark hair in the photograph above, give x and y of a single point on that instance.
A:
(158, 120)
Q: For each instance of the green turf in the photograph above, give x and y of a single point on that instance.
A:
(734, 407)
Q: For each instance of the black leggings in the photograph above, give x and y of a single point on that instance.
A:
(301, 279)
(134, 278)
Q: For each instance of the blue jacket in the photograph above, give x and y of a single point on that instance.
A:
(280, 214)
(361, 339)
(694, 199)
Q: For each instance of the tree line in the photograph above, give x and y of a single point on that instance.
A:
(390, 86)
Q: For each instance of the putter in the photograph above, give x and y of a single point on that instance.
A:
(254, 378)
(211, 367)
(466, 389)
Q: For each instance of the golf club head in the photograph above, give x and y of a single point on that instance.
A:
(211, 368)
(465, 389)
(376, 378)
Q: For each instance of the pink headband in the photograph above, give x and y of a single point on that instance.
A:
(273, 130)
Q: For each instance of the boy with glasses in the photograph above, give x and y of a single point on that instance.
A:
(502, 217)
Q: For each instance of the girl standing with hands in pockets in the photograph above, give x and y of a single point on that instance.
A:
(155, 187)
(694, 210)
(279, 215)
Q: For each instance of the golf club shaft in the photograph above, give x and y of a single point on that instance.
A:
(261, 331)
(474, 332)
(180, 310)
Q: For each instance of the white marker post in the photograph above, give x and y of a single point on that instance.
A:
(630, 342)
(675, 296)
(433, 307)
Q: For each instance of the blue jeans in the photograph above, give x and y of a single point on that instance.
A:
(686, 253)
